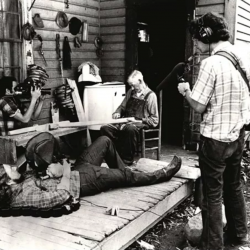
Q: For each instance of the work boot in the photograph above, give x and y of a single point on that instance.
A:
(173, 167)
(235, 241)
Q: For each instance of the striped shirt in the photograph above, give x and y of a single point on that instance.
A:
(224, 92)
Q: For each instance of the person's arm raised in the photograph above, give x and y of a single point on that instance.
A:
(38, 109)
(35, 94)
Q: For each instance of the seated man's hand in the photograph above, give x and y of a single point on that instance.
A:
(116, 116)
(132, 119)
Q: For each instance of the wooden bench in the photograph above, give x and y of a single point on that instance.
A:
(11, 144)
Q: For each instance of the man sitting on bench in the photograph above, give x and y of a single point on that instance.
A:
(86, 177)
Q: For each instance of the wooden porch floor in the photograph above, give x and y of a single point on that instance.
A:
(90, 227)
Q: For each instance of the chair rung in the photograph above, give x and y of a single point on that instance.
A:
(153, 148)
(151, 130)
(152, 139)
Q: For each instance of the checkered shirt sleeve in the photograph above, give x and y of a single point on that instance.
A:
(8, 106)
(8, 109)
(33, 196)
(204, 86)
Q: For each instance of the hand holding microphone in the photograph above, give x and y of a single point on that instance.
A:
(183, 87)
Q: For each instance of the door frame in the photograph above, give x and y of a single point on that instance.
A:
(131, 58)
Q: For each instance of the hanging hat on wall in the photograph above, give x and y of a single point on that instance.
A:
(75, 25)
(28, 31)
(62, 19)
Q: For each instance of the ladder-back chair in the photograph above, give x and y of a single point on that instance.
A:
(152, 135)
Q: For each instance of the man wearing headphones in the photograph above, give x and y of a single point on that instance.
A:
(221, 95)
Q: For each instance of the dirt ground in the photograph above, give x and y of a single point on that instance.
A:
(169, 233)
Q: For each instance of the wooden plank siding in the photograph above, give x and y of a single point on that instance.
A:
(84, 10)
(112, 30)
(242, 26)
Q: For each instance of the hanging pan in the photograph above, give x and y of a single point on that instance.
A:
(62, 19)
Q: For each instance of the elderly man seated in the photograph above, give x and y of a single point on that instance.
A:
(140, 102)
(86, 177)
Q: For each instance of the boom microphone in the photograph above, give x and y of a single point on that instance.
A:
(173, 76)
(176, 75)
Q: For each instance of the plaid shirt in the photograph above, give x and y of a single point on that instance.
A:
(7, 110)
(224, 92)
(27, 194)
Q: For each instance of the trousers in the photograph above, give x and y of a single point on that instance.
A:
(125, 139)
(95, 179)
(220, 164)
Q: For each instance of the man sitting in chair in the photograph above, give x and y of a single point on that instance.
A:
(140, 102)
(86, 177)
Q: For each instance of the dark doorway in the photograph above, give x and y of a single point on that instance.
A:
(166, 23)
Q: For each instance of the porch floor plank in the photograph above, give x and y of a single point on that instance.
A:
(91, 228)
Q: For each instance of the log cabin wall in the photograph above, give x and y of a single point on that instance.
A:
(84, 10)
(112, 30)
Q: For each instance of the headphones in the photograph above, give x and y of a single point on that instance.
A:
(205, 33)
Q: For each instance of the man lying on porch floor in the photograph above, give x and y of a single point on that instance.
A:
(86, 177)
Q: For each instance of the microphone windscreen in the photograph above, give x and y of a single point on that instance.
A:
(177, 71)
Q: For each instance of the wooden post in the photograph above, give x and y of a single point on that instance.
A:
(79, 106)
(131, 37)
(230, 16)
(160, 125)
(142, 143)
(28, 45)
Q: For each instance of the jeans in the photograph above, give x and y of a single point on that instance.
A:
(125, 139)
(220, 164)
(95, 179)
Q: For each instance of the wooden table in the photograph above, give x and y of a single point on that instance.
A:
(9, 144)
